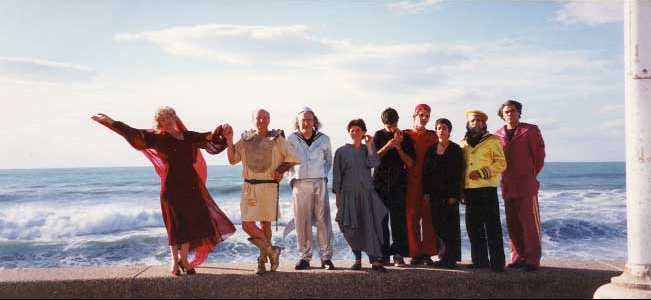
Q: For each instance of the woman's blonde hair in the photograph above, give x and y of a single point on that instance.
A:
(163, 111)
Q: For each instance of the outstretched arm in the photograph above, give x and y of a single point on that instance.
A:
(139, 139)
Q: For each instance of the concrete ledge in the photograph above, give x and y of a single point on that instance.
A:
(557, 280)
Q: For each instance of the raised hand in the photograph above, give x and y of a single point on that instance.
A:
(228, 133)
(368, 139)
(102, 119)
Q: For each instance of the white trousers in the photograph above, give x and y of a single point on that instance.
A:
(312, 206)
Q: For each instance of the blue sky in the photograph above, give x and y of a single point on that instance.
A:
(216, 61)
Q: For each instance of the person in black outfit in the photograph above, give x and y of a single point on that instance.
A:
(397, 153)
(442, 185)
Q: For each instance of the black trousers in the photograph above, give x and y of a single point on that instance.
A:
(395, 201)
(485, 227)
(447, 224)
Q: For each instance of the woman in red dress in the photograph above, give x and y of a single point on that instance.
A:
(193, 220)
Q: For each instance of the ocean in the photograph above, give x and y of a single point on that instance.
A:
(111, 217)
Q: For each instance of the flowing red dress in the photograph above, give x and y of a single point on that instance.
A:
(189, 212)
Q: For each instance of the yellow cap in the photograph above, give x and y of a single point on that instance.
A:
(479, 113)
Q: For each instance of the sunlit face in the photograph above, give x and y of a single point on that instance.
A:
(356, 134)
(167, 123)
(421, 119)
(510, 114)
(443, 132)
(306, 122)
(476, 123)
(262, 120)
(392, 128)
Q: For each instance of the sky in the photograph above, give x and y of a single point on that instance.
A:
(217, 61)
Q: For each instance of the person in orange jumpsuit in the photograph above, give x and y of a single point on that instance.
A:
(422, 238)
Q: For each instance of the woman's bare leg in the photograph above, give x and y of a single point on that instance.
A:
(185, 250)
(175, 258)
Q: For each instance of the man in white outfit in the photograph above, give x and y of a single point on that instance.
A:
(309, 183)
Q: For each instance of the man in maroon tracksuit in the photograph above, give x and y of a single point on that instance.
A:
(524, 148)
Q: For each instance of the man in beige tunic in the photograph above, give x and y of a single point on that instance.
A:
(265, 156)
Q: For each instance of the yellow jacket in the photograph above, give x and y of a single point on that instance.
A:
(487, 158)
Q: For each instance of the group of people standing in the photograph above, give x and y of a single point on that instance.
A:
(398, 193)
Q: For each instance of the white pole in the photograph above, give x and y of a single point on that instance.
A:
(635, 283)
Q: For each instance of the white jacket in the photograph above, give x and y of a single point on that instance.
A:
(316, 161)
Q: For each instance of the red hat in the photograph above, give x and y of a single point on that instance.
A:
(423, 107)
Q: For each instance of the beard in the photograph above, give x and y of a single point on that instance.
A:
(474, 135)
(476, 132)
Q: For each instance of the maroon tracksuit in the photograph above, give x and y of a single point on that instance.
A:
(525, 155)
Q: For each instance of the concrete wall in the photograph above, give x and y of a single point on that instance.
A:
(556, 280)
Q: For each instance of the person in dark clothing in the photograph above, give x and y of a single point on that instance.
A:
(442, 184)
(390, 181)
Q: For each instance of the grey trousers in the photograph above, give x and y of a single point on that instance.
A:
(312, 206)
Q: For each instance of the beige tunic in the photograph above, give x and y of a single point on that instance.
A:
(260, 158)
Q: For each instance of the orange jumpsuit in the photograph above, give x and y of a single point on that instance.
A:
(421, 235)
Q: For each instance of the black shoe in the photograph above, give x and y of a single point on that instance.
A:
(440, 264)
(356, 267)
(428, 261)
(379, 268)
(517, 265)
(386, 262)
(327, 265)
(416, 261)
(498, 268)
(302, 265)
(450, 266)
(477, 266)
(528, 268)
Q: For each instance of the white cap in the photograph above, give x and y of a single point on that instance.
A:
(306, 109)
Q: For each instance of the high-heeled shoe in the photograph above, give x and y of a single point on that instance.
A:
(189, 272)
(176, 273)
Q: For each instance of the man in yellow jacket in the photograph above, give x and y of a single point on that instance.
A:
(485, 161)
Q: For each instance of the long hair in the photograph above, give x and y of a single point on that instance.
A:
(164, 111)
(317, 123)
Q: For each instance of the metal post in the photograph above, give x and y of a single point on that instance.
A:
(635, 283)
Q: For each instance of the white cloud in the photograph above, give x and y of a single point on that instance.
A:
(413, 7)
(33, 70)
(237, 44)
(479, 68)
(590, 12)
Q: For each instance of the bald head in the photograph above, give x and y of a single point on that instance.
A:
(262, 119)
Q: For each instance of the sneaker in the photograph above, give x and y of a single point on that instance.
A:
(302, 265)
(428, 261)
(399, 262)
